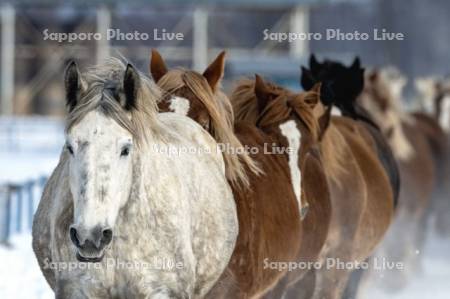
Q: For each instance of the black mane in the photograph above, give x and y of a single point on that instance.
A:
(341, 85)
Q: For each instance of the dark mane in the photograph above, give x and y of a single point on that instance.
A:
(341, 86)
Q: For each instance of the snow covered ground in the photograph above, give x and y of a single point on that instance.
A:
(20, 276)
(29, 149)
(432, 283)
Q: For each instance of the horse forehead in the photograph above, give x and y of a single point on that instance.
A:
(179, 105)
(290, 131)
(95, 125)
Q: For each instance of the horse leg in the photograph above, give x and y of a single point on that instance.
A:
(351, 291)
(331, 277)
(279, 290)
(304, 288)
(419, 242)
(331, 283)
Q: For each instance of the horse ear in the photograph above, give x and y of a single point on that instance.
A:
(373, 76)
(306, 79)
(262, 92)
(157, 66)
(320, 112)
(314, 65)
(214, 72)
(356, 64)
(313, 96)
(131, 83)
(73, 84)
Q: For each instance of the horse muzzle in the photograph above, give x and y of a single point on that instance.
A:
(90, 244)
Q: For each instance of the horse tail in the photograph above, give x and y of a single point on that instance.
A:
(387, 159)
(384, 151)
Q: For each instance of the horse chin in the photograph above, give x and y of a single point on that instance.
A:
(90, 259)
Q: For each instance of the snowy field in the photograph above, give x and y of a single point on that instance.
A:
(30, 149)
(432, 283)
(20, 277)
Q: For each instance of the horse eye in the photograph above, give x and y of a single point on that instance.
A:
(70, 149)
(125, 152)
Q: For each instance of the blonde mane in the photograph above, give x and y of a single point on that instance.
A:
(384, 92)
(140, 121)
(244, 102)
(245, 107)
(427, 89)
(220, 111)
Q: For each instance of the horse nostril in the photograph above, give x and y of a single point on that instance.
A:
(74, 236)
(107, 235)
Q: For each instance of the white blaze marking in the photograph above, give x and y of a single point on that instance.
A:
(290, 131)
(444, 118)
(336, 111)
(179, 105)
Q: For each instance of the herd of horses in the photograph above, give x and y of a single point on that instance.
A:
(234, 187)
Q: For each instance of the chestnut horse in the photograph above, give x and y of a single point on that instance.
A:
(416, 142)
(342, 85)
(255, 102)
(360, 193)
(270, 205)
(436, 96)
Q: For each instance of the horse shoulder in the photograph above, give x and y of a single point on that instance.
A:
(41, 229)
(188, 131)
(268, 206)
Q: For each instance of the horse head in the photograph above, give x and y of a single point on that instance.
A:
(341, 85)
(295, 121)
(101, 141)
(199, 97)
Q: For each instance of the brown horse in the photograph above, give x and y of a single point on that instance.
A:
(270, 111)
(415, 141)
(435, 97)
(361, 196)
(342, 85)
(270, 205)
